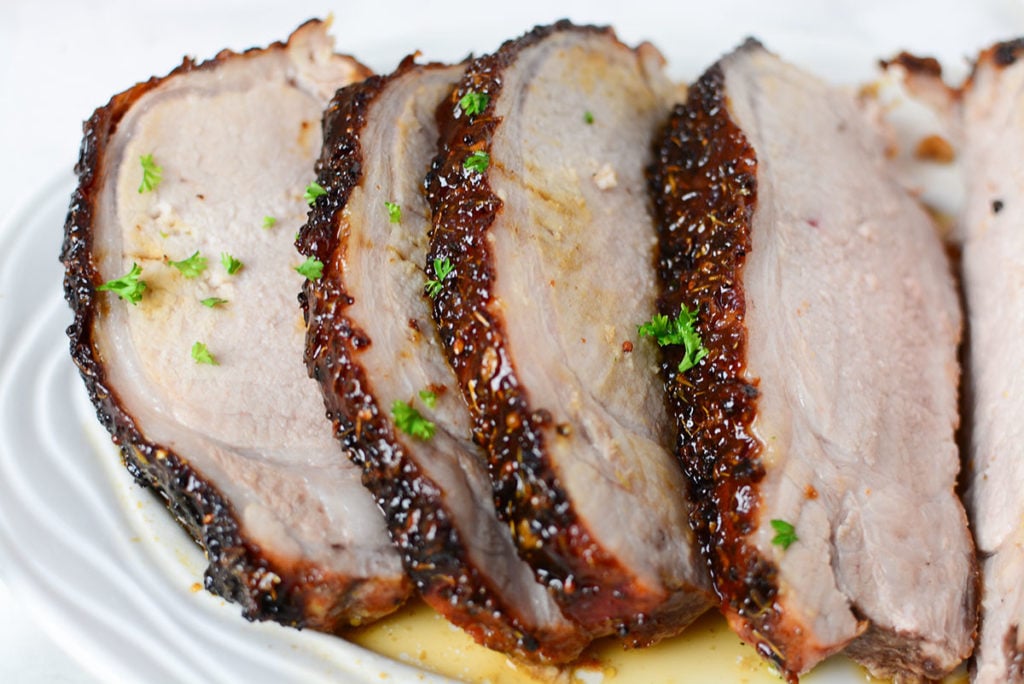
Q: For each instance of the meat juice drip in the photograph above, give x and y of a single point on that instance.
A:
(706, 652)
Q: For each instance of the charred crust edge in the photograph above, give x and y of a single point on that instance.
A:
(914, 64)
(588, 582)
(703, 186)
(1014, 655)
(414, 506)
(294, 594)
(1000, 55)
(1007, 52)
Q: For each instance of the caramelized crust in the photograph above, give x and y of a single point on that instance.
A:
(786, 422)
(589, 583)
(704, 188)
(915, 64)
(268, 587)
(527, 490)
(1006, 53)
(433, 550)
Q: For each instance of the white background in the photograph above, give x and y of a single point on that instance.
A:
(60, 59)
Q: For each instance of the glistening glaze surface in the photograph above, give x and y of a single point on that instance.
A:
(839, 40)
(74, 527)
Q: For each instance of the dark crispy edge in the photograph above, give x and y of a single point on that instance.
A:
(1005, 53)
(921, 75)
(914, 64)
(418, 518)
(588, 582)
(1000, 56)
(1014, 656)
(705, 175)
(239, 570)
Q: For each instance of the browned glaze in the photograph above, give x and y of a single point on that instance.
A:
(238, 570)
(588, 582)
(704, 188)
(432, 550)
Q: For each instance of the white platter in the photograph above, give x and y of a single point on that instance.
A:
(110, 577)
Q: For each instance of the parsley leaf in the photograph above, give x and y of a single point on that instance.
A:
(472, 103)
(785, 534)
(429, 398)
(441, 270)
(394, 212)
(409, 421)
(151, 174)
(313, 192)
(588, 117)
(230, 263)
(268, 222)
(679, 330)
(211, 302)
(128, 286)
(478, 161)
(190, 267)
(311, 268)
(200, 354)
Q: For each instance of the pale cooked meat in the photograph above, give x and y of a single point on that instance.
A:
(239, 450)
(828, 401)
(538, 202)
(371, 343)
(992, 230)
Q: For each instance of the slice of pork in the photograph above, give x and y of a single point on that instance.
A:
(818, 432)
(240, 450)
(538, 204)
(992, 230)
(371, 343)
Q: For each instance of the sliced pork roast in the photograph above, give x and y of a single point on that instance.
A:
(542, 250)
(993, 277)
(194, 364)
(372, 345)
(817, 420)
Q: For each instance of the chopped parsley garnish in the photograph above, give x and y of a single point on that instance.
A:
(472, 103)
(785, 534)
(200, 354)
(311, 268)
(190, 267)
(478, 161)
(429, 398)
(409, 421)
(268, 222)
(441, 270)
(677, 331)
(588, 117)
(394, 212)
(211, 302)
(313, 191)
(230, 263)
(151, 174)
(128, 286)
